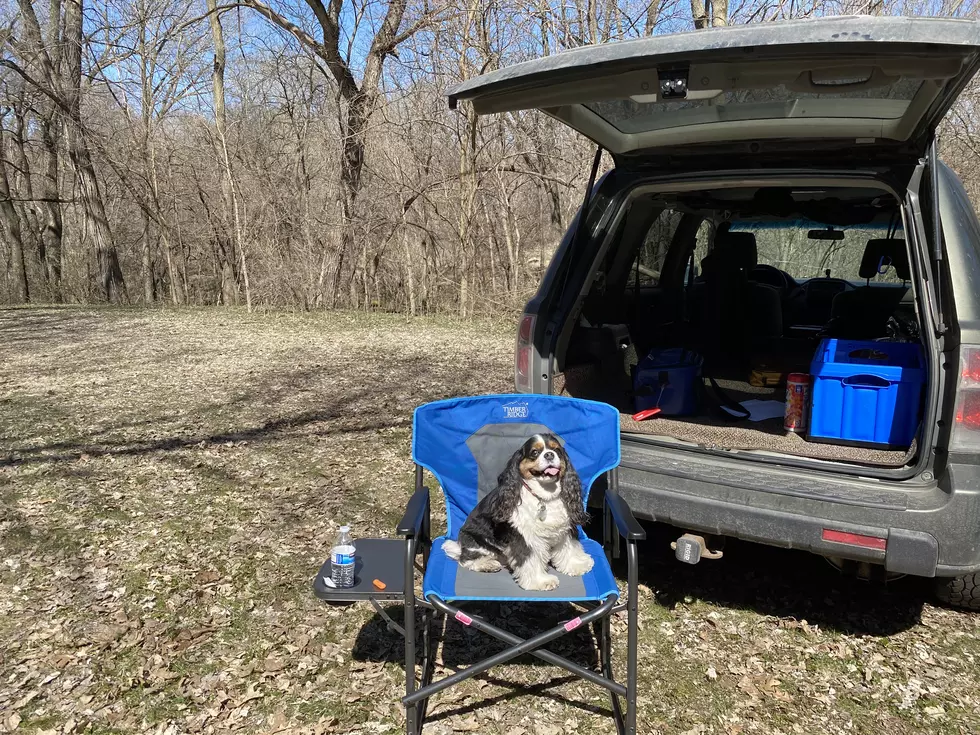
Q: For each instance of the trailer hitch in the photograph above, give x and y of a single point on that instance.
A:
(691, 548)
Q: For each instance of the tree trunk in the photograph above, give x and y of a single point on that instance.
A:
(653, 16)
(592, 16)
(146, 110)
(47, 50)
(146, 262)
(699, 14)
(20, 291)
(409, 272)
(227, 246)
(110, 277)
(467, 196)
(354, 134)
(52, 231)
(719, 12)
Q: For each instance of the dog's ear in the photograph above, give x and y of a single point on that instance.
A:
(502, 502)
(571, 492)
(513, 468)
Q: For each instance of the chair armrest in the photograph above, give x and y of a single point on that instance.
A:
(629, 528)
(415, 514)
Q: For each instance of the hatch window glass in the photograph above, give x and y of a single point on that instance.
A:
(843, 98)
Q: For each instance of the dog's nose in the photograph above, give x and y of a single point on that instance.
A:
(549, 456)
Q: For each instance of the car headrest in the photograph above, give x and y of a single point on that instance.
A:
(879, 253)
(736, 249)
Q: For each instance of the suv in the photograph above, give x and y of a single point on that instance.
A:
(774, 185)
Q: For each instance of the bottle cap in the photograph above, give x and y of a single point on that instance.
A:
(345, 528)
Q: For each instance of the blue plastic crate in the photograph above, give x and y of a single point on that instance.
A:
(866, 393)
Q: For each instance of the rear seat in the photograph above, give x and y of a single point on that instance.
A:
(736, 313)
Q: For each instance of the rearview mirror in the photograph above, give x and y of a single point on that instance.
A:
(828, 234)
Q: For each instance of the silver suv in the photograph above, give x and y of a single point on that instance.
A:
(775, 186)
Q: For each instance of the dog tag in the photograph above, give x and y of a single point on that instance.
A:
(542, 511)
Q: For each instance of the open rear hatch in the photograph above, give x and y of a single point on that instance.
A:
(870, 89)
(879, 83)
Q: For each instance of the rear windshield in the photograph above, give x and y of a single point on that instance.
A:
(788, 247)
(884, 102)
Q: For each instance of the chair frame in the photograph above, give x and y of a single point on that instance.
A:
(618, 524)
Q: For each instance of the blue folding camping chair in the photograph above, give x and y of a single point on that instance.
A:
(465, 443)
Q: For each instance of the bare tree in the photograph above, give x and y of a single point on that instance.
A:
(361, 98)
(111, 281)
(231, 266)
(64, 88)
(303, 155)
(10, 219)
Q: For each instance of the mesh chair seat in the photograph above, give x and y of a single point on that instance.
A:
(447, 580)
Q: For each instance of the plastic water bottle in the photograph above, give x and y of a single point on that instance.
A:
(342, 559)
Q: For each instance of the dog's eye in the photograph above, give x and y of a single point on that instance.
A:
(534, 452)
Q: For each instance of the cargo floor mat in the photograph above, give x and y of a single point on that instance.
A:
(708, 431)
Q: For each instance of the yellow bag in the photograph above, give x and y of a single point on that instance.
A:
(763, 377)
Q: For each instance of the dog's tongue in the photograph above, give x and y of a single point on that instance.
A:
(551, 472)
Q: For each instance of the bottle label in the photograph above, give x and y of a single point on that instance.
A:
(342, 559)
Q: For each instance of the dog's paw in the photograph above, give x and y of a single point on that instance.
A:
(577, 566)
(544, 583)
(485, 564)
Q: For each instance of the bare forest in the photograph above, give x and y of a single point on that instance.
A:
(300, 154)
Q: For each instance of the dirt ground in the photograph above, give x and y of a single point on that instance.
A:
(171, 481)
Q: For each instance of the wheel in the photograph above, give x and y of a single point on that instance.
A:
(961, 591)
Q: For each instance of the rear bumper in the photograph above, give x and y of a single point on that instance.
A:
(931, 527)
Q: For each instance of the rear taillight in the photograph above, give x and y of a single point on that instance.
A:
(524, 354)
(966, 424)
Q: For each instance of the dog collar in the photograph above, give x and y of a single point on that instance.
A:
(542, 508)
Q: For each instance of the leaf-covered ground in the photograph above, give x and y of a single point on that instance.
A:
(171, 481)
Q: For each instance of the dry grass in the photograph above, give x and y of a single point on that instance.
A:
(169, 483)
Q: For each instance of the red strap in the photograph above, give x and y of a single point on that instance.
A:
(650, 412)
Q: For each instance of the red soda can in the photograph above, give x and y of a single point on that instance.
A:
(797, 400)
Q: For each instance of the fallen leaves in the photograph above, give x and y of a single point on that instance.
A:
(178, 486)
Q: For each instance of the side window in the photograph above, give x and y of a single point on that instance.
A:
(650, 257)
(706, 234)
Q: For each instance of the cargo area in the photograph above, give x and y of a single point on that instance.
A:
(702, 303)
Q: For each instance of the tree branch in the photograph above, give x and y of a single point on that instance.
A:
(52, 95)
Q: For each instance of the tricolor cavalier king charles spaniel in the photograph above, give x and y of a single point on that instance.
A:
(529, 520)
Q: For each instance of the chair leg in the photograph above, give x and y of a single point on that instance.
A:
(430, 645)
(607, 531)
(632, 612)
(605, 661)
(411, 710)
(411, 719)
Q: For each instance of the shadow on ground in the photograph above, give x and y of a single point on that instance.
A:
(463, 646)
(342, 412)
(780, 583)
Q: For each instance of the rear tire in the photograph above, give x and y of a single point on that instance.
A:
(963, 591)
